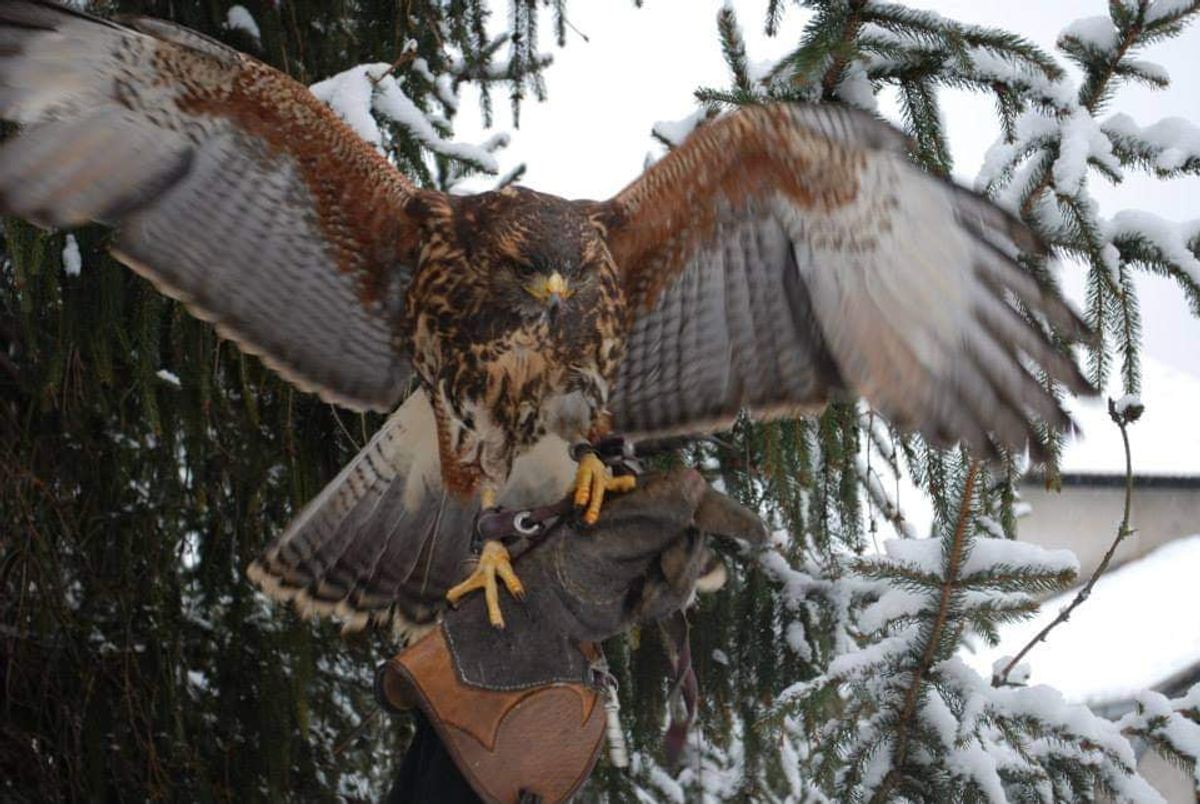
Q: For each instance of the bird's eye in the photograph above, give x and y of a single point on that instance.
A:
(524, 268)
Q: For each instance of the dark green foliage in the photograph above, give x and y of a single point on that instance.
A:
(136, 661)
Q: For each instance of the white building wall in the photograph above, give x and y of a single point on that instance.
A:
(1085, 518)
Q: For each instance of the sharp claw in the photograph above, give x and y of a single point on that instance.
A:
(592, 481)
(511, 581)
(493, 561)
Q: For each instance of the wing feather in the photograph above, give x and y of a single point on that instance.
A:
(786, 255)
(232, 189)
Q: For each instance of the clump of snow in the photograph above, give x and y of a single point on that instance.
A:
(1126, 402)
(986, 553)
(1152, 70)
(1173, 140)
(168, 377)
(365, 90)
(71, 258)
(797, 640)
(924, 554)
(896, 604)
(1081, 139)
(855, 87)
(1096, 33)
(1031, 130)
(1170, 238)
(675, 132)
(1018, 675)
(1161, 9)
(990, 553)
(393, 103)
(239, 19)
(988, 64)
(349, 93)
(1134, 632)
(866, 661)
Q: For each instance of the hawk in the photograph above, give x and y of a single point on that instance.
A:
(782, 256)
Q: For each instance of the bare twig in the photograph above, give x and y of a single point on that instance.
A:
(357, 731)
(333, 409)
(1123, 419)
(403, 59)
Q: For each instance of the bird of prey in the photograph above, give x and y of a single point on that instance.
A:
(782, 256)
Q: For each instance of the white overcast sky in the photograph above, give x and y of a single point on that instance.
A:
(640, 66)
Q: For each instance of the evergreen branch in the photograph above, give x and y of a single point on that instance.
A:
(1008, 578)
(1170, 727)
(912, 696)
(957, 40)
(1141, 251)
(1123, 418)
(1144, 73)
(918, 102)
(1129, 319)
(842, 51)
(1167, 149)
(1100, 70)
(774, 15)
(901, 574)
(733, 46)
(717, 98)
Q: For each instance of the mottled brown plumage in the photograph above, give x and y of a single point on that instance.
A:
(780, 257)
(500, 370)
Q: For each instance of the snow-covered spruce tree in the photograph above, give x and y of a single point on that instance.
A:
(880, 708)
(914, 723)
(144, 463)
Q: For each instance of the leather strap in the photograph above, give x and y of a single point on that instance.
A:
(684, 687)
(529, 525)
(524, 525)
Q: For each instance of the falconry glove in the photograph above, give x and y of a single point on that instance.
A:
(521, 709)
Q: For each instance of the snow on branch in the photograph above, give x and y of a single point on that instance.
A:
(239, 19)
(1042, 163)
(1169, 147)
(1144, 236)
(913, 716)
(673, 132)
(366, 93)
(1170, 726)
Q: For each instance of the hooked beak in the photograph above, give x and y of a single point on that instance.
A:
(551, 291)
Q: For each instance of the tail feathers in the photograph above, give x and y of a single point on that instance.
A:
(383, 541)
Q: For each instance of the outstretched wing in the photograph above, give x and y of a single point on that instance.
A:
(787, 254)
(232, 188)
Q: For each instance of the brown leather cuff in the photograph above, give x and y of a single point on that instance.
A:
(542, 740)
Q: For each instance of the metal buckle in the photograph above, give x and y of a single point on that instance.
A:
(524, 524)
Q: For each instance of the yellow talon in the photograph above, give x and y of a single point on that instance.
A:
(493, 561)
(592, 481)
